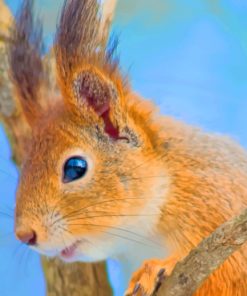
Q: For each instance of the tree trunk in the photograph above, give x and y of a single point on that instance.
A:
(62, 279)
(76, 279)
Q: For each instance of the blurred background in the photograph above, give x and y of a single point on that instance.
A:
(189, 56)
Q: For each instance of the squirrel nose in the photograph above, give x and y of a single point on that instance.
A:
(28, 237)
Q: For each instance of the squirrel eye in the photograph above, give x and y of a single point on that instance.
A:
(74, 168)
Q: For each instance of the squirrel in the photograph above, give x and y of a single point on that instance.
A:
(104, 174)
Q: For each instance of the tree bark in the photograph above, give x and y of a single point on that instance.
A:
(76, 279)
(62, 279)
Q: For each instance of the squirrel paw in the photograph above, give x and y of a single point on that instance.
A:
(147, 280)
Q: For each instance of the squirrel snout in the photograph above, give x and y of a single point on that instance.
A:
(27, 236)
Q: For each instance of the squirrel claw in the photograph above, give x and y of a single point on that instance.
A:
(136, 289)
(160, 278)
(147, 280)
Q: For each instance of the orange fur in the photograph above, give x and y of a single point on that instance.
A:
(160, 178)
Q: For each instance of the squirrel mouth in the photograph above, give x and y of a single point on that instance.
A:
(69, 252)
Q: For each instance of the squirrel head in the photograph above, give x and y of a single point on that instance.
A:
(92, 171)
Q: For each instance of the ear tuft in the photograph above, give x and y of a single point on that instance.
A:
(26, 68)
(86, 47)
(88, 69)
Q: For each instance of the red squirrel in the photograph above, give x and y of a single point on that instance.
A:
(106, 176)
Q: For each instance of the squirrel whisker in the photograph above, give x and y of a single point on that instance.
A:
(111, 215)
(120, 229)
(6, 215)
(116, 235)
(71, 214)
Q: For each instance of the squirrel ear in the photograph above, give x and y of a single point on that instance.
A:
(87, 69)
(94, 90)
(26, 68)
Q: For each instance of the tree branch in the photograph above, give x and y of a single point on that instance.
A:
(191, 272)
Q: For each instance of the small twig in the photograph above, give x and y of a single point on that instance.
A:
(190, 273)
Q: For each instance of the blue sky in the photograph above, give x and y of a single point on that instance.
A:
(189, 56)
